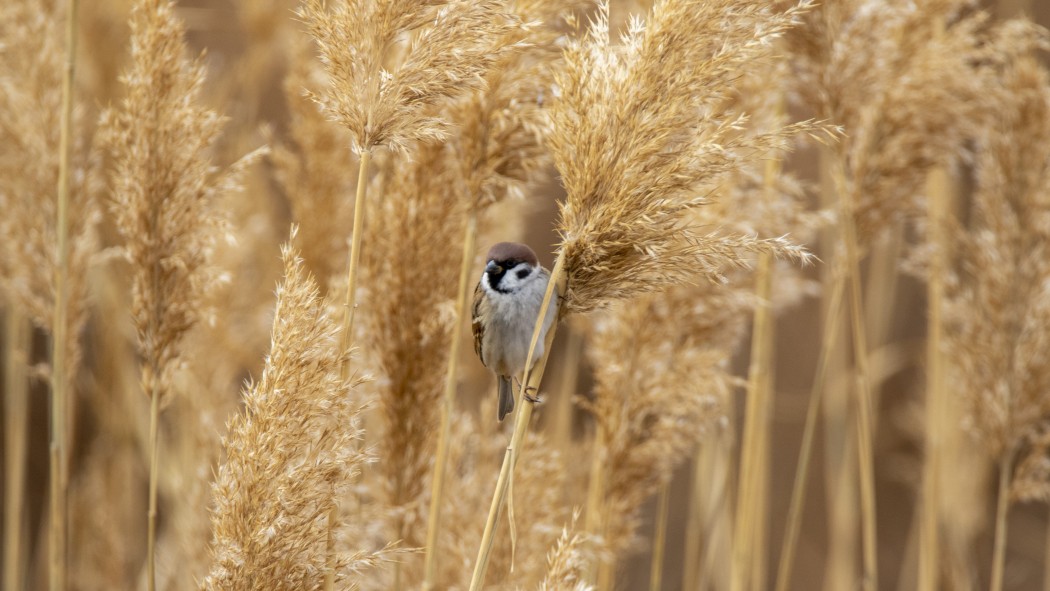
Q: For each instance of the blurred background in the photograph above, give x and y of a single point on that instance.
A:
(247, 62)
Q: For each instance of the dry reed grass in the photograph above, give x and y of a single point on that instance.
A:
(162, 185)
(662, 382)
(908, 106)
(51, 210)
(411, 283)
(666, 124)
(289, 454)
(453, 44)
(312, 170)
(632, 170)
(999, 362)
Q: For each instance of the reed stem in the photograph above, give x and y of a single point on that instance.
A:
(593, 522)
(865, 436)
(355, 256)
(755, 415)
(1002, 508)
(530, 383)
(151, 539)
(709, 530)
(16, 416)
(437, 489)
(656, 565)
(606, 575)
(798, 490)
(59, 336)
(695, 522)
(349, 309)
(929, 548)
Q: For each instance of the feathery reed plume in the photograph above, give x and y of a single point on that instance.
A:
(31, 68)
(411, 279)
(499, 144)
(218, 354)
(454, 43)
(637, 133)
(310, 167)
(501, 125)
(50, 214)
(909, 95)
(288, 454)
(385, 92)
(163, 185)
(621, 224)
(567, 562)
(1000, 354)
(661, 373)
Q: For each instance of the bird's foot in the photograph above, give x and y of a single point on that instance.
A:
(532, 395)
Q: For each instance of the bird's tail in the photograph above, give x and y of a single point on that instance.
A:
(506, 397)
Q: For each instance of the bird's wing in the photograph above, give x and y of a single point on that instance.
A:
(477, 326)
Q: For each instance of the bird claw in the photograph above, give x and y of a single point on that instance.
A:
(529, 391)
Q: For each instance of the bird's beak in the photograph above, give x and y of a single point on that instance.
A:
(492, 268)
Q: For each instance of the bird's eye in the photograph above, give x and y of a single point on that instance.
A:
(523, 273)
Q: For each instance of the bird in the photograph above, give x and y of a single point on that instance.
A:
(507, 302)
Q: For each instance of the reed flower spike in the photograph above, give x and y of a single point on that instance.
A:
(642, 131)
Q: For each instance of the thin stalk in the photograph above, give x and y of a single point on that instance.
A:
(606, 575)
(709, 530)
(656, 565)
(59, 369)
(1002, 508)
(151, 539)
(437, 488)
(839, 461)
(929, 548)
(349, 308)
(865, 436)
(717, 505)
(694, 528)
(748, 507)
(760, 565)
(530, 382)
(355, 255)
(798, 491)
(593, 522)
(16, 417)
(881, 290)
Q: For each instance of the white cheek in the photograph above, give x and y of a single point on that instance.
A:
(511, 281)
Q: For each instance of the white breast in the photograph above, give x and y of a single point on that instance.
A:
(508, 333)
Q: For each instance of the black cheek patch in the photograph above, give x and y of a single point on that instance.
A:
(523, 273)
(495, 279)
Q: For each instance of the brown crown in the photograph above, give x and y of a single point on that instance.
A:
(512, 251)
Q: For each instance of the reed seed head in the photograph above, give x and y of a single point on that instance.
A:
(641, 134)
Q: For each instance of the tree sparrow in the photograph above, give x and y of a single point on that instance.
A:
(507, 301)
